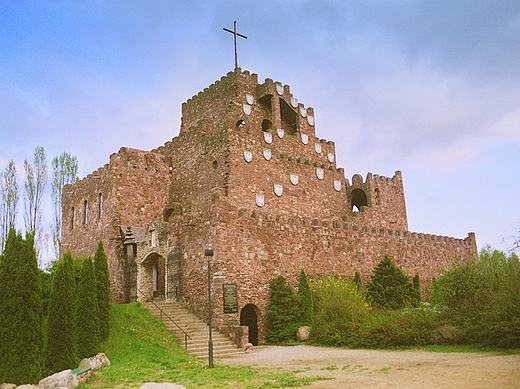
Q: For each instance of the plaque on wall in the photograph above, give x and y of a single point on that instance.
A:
(279, 89)
(294, 102)
(310, 120)
(250, 99)
(278, 190)
(247, 108)
(268, 137)
(229, 292)
(303, 111)
(330, 157)
(267, 154)
(305, 139)
(294, 178)
(280, 132)
(317, 147)
(337, 185)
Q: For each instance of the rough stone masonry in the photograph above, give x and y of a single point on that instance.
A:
(248, 178)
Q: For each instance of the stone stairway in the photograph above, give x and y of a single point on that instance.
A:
(194, 327)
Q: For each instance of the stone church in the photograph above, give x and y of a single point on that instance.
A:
(248, 178)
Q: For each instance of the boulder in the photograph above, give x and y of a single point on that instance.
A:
(447, 334)
(303, 333)
(96, 362)
(248, 347)
(164, 385)
(27, 387)
(7, 386)
(63, 379)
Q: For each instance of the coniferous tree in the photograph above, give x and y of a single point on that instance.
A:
(21, 359)
(305, 300)
(389, 287)
(103, 290)
(282, 311)
(61, 350)
(88, 316)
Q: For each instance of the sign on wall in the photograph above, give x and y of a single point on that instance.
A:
(230, 298)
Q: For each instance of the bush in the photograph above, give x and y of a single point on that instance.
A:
(390, 288)
(338, 307)
(483, 297)
(390, 328)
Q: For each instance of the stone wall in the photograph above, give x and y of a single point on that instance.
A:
(132, 190)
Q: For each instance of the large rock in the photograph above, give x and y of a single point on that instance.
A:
(27, 387)
(96, 362)
(164, 385)
(63, 379)
(303, 333)
(7, 386)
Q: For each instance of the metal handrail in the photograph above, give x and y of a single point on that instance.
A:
(186, 336)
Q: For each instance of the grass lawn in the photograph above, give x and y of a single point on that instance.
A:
(141, 350)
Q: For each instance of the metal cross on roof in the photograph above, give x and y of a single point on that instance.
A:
(235, 34)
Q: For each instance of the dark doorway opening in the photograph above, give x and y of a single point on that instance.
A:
(248, 318)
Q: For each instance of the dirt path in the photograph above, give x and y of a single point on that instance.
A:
(389, 369)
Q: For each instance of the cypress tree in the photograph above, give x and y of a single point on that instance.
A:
(88, 317)
(21, 360)
(282, 311)
(305, 300)
(61, 351)
(103, 290)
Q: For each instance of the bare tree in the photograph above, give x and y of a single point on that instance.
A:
(8, 200)
(64, 171)
(35, 182)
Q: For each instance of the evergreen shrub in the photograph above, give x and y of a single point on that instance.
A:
(389, 287)
(88, 316)
(103, 290)
(21, 359)
(305, 301)
(283, 315)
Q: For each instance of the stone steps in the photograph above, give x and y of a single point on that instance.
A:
(196, 329)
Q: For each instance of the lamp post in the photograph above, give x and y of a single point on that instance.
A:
(208, 254)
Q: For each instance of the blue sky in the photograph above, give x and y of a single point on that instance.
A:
(431, 88)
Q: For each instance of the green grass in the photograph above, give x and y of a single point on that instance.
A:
(140, 350)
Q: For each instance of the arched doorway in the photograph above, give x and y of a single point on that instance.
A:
(153, 276)
(249, 318)
(359, 199)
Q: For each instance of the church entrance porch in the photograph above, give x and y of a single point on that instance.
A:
(249, 318)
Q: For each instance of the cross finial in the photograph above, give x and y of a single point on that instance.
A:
(235, 34)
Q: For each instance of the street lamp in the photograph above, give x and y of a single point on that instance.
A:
(208, 254)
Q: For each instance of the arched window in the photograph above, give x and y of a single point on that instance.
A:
(359, 199)
(85, 212)
(266, 125)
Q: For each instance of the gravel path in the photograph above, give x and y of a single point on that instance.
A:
(389, 369)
